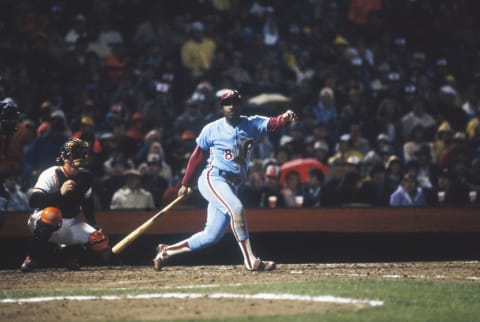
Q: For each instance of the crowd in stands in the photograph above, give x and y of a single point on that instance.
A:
(387, 94)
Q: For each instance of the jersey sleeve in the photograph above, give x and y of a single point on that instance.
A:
(47, 181)
(204, 139)
(260, 123)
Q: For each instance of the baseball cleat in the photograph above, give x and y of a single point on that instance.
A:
(261, 266)
(28, 265)
(161, 258)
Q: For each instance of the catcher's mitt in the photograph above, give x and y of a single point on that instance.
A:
(98, 241)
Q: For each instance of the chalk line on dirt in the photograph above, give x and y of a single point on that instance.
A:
(257, 296)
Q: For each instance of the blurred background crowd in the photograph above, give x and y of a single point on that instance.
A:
(387, 94)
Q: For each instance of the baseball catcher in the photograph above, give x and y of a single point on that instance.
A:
(59, 195)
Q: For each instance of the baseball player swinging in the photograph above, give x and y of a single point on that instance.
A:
(227, 143)
(58, 196)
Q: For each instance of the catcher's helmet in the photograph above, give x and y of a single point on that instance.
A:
(230, 97)
(75, 151)
(9, 116)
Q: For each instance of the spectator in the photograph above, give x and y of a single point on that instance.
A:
(18, 200)
(198, 51)
(250, 194)
(357, 140)
(325, 110)
(157, 153)
(312, 191)
(116, 62)
(427, 169)
(237, 71)
(320, 133)
(417, 117)
(136, 129)
(380, 153)
(443, 138)
(77, 30)
(344, 151)
(321, 151)
(113, 180)
(393, 174)
(448, 191)
(408, 193)
(42, 152)
(471, 103)
(374, 189)
(388, 120)
(132, 195)
(294, 140)
(458, 150)
(158, 112)
(87, 133)
(473, 123)
(272, 188)
(191, 119)
(126, 145)
(152, 178)
(155, 135)
(350, 189)
(415, 142)
(291, 188)
(271, 33)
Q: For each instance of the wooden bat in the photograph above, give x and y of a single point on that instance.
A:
(127, 240)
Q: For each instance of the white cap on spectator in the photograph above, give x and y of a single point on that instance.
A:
(285, 139)
(448, 90)
(353, 160)
(162, 87)
(383, 137)
(272, 170)
(320, 145)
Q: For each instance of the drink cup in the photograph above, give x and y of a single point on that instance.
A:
(473, 196)
(441, 196)
(272, 201)
(298, 201)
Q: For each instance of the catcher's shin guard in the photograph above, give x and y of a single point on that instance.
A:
(46, 224)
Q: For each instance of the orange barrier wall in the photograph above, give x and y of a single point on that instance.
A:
(334, 220)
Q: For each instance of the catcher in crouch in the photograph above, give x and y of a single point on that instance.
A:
(58, 196)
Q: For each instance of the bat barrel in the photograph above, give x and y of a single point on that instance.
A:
(127, 240)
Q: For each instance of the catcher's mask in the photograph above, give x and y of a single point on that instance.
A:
(9, 116)
(231, 97)
(75, 152)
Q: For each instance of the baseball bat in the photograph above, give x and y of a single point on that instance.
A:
(127, 240)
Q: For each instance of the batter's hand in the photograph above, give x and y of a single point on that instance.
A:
(184, 190)
(67, 187)
(289, 116)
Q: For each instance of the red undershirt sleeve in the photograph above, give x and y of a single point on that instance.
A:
(194, 162)
(276, 123)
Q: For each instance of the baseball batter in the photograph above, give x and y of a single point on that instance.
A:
(59, 195)
(226, 144)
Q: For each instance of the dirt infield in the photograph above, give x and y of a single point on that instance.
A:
(174, 278)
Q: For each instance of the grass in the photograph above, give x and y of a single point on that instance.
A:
(404, 300)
